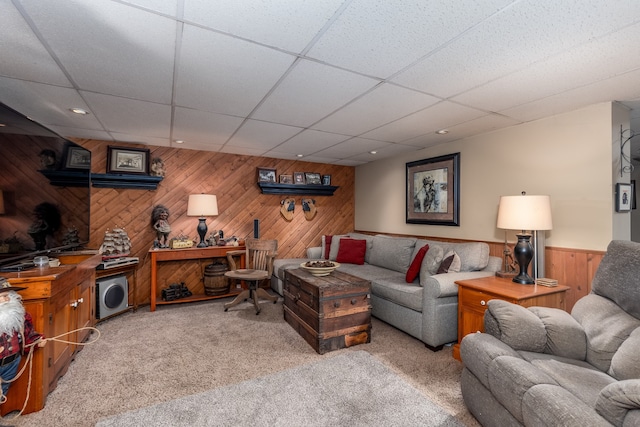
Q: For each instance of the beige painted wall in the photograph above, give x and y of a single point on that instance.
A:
(568, 157)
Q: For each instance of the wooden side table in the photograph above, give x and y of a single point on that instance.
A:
(188, 254)
(474, 294)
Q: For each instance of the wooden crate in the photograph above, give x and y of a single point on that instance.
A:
(329, 312)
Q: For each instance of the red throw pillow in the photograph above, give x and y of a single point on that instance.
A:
(414, 268)
(327, 246)
(351, 251)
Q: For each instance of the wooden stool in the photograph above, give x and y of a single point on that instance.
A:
(253, 277)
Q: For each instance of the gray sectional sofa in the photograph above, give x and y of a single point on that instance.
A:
(542, 366)
(427, 308)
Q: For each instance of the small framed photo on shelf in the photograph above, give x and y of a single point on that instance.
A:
(326, 179)
(313, 178)
(298, 178)
(267, 175)
(128, 160)
(77, 158)
(286, 179)
(624, 197)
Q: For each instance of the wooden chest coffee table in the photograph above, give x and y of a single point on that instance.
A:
(329, 312)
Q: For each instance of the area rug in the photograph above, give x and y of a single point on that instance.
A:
(352, 389)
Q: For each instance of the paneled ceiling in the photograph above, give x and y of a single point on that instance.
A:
(329, 80)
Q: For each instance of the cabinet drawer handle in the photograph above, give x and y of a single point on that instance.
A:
(74, 304)
(354, 301)
(81, 300)
(336, 304)
(483, 302)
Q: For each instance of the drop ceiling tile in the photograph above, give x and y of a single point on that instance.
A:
(23, 56)
(244, 151)
(310, 92)
(167, 7)
(288, 25)
(619, 87)
(588, 63)
(526, 32)
(225, 75)
(379, 38)
(439, 116)
(310, 141)
(201, 127)
(481, 125)
(203, 146)
(128, 116)
(382, 105)
(352, 147)
(141, 139)
(69, 132)
(261, 135)
(46, 104)
(110, 48)
(383, 153)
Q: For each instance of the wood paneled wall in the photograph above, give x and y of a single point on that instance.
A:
(233, 179)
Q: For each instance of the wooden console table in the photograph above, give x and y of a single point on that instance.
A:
(188, 254)
(473, 295)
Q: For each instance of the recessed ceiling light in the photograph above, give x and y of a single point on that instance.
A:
(179, 141)
(2, 125)
(80, 111)
(299, 155)
(442, 132)
(373, 152)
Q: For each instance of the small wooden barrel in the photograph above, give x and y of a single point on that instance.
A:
(215, 283)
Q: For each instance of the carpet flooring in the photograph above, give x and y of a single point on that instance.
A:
(352, 389)
(148, 358)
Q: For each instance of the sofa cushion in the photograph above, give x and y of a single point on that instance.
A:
(450, 263)
(414, 268)
(606, 325)
(625, 364)
(369, 239)
(398, 291)
(617, 276)
(616, 399)
(326, 245)
(351, 251)
(474, 256)
(335, 246)
(393, 253)
(433, 259)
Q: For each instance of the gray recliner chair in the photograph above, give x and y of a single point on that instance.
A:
(540, 366)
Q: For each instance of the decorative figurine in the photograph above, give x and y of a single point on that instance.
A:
(157, 167)
(47, 221)
(159, 220)
(48, 159)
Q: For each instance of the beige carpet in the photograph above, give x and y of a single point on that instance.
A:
(146, 358)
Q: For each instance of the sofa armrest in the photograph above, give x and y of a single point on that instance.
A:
(538, 329)
(617, 399)
(444, 285)
(314, 252)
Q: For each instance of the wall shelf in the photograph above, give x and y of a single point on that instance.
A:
(138, 182)
(67, 178)
(297, 189)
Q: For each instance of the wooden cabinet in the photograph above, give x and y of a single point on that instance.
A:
(60, 300)
(474, 294)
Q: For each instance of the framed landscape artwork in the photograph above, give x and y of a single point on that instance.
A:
(266, 175)
(433, 191)
(312, 178)
(77, 158)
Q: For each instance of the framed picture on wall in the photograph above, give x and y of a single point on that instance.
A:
(127, 160)
(77, 158)
(298, 178)
(433, 191)
(266, 175)
(313, 178)
(624, 197)
(634, 195)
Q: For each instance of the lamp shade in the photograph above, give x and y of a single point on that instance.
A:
(202, 205)
(524, 213)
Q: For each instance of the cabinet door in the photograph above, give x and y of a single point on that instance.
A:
(85, 310)
(63, 319)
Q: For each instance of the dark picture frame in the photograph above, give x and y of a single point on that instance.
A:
(313, 178)
(298, 178)
(624, 197)
(326, 179)
(127, 160)
(286, 179)
(634, 195)
(77, 158)
(267, 175)
(433, 191)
